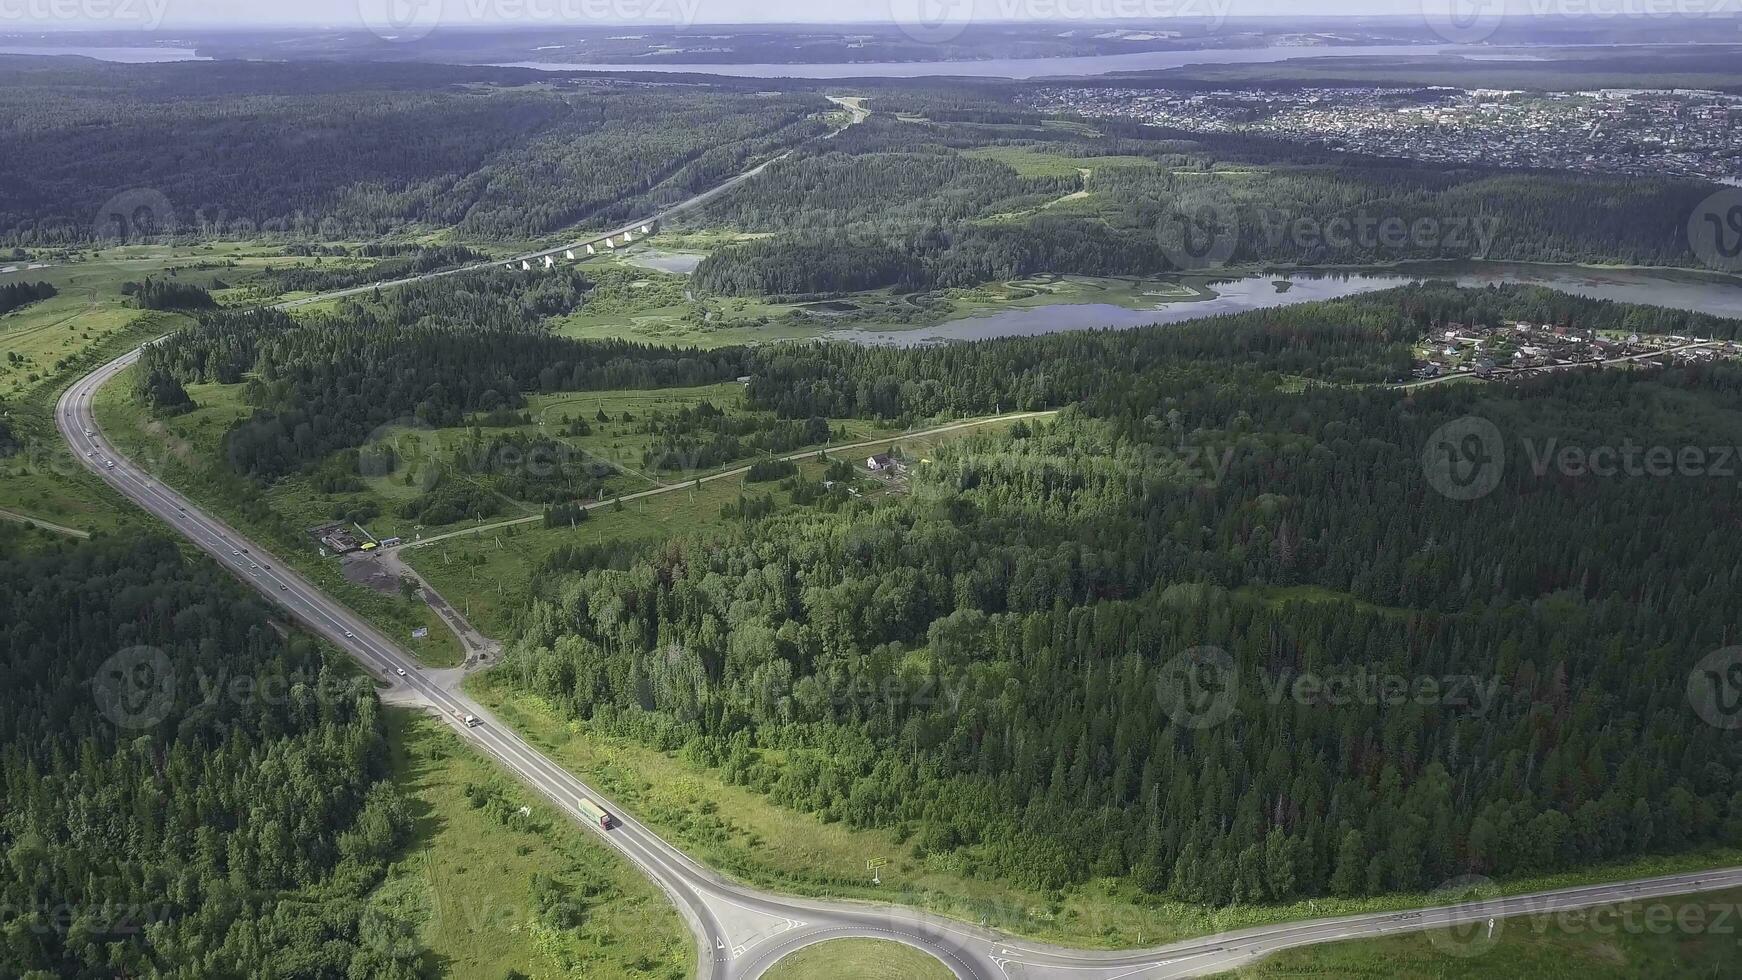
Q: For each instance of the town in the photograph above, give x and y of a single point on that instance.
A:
(1686, 133)
(1517, 350)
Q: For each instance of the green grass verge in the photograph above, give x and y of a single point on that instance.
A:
(1690, 936)
(743, 834)
(465, 887)
(859, 959)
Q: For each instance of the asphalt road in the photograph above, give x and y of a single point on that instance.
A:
(741, 931)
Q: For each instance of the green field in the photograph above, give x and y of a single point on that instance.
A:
(1689, 936)
(491, 574)
(1039, 163)
(859, 959)
(464, 891)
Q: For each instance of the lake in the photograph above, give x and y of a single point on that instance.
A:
(1682, 290)
(126, 55)
(1011, 67)
(681, 263)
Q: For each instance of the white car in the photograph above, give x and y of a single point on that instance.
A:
(400, 671)
(348, 635)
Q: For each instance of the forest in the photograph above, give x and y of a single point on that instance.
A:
(116, 152)
(17, 295)
(426, 354)
(157, 822)
(986, 664)
(902, 204)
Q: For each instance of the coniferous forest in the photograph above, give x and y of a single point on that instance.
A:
(162, 820)
(987, 663)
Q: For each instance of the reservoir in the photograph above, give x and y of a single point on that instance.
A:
(1713, 294)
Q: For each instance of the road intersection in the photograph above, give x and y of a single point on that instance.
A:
(741, 931)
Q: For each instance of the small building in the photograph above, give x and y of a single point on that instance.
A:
(389, 542)
(879, 463)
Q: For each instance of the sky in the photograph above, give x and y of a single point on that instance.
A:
(16, 15)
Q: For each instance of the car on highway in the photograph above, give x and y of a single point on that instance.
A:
(400, 671)
(349, 636)
(284, 588)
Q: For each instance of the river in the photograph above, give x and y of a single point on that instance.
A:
(1103, 64)
(1717, 295)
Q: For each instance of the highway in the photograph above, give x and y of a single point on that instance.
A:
(741, 931)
